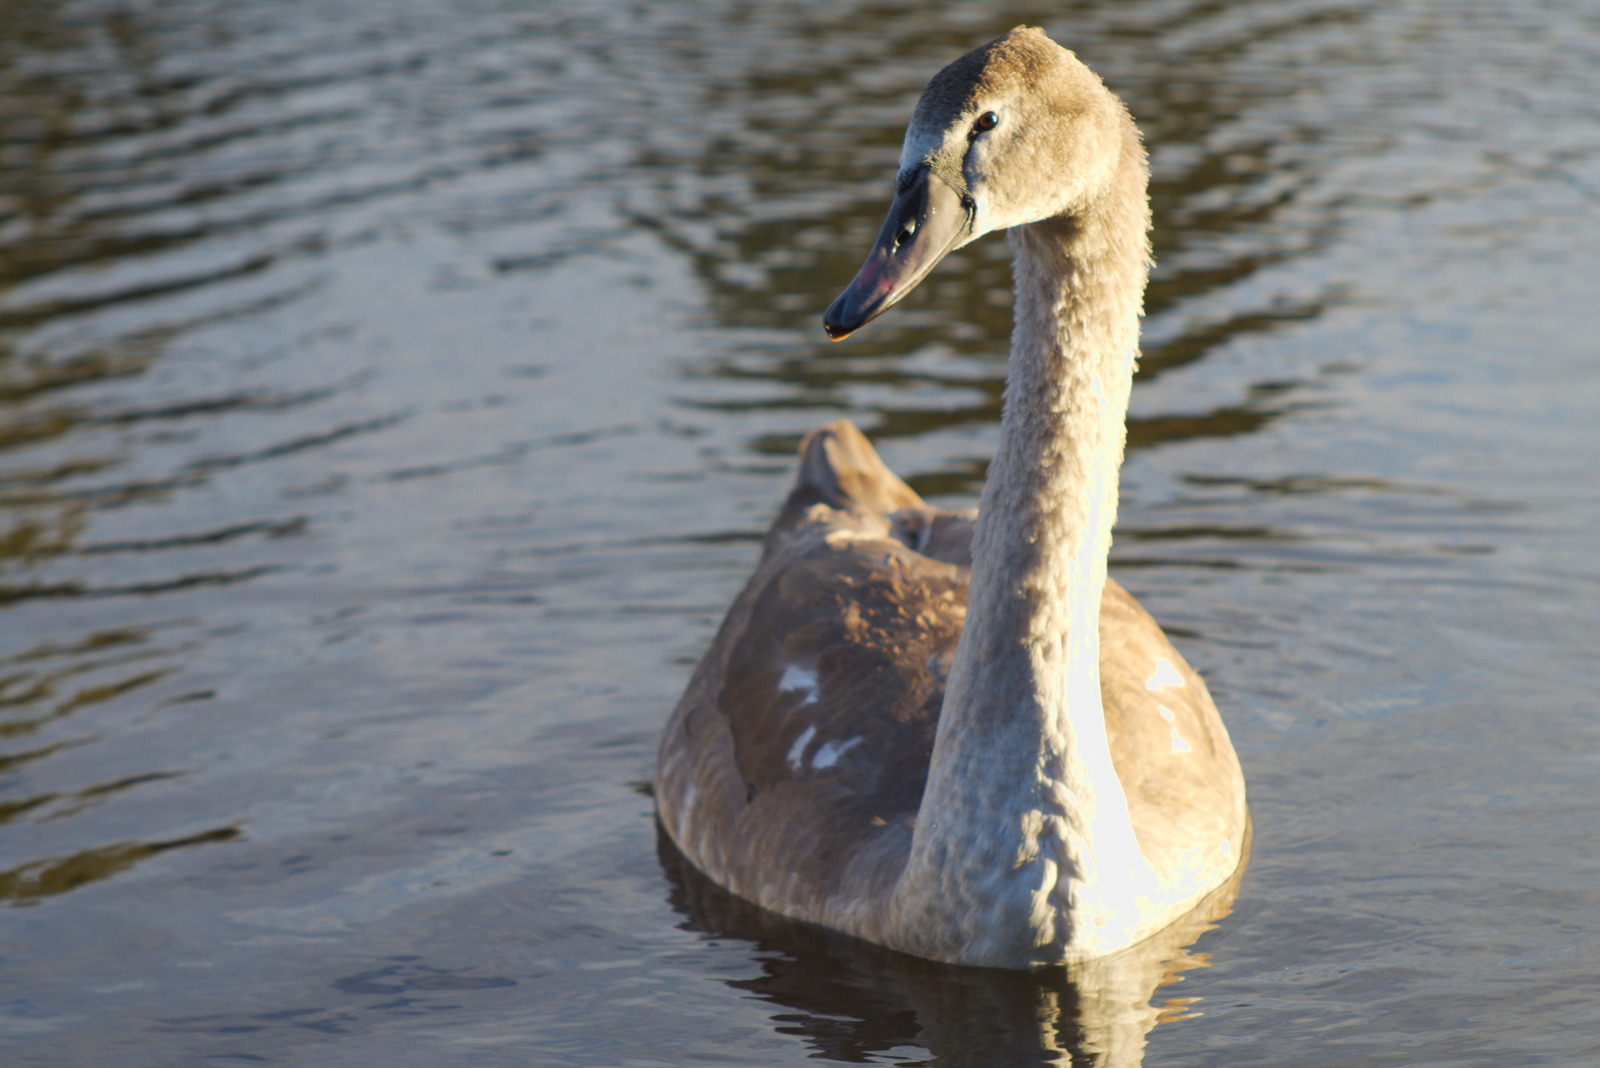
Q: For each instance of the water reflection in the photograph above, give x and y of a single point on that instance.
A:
(26, 884)
(851, 1000)
(149, 192)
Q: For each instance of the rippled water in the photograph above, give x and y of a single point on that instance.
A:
(392, 397)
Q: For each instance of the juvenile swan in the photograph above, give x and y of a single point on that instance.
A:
(957, 737)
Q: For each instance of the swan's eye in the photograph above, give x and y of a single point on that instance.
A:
(987, 121)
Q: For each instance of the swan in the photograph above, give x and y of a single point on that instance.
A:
(953, 735)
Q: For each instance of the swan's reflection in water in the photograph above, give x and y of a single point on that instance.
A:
(851, 1000)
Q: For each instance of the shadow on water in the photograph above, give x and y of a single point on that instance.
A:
(851, 1000)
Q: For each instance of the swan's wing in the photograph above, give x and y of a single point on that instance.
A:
(840, 469)
(1169, 745)
(801, 746)
(939, 533)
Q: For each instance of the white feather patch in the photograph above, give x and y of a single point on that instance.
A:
(1164, 675)
(797, 751)
(828, 753)
(798, 679)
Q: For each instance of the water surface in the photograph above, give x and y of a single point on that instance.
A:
(392, 398)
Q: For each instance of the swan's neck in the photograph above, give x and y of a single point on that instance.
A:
(1024, 834)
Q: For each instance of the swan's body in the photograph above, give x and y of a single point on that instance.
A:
(936, 734)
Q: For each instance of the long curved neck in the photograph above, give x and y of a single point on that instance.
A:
(1024, 833)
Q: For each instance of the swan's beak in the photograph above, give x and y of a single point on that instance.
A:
(927, 219)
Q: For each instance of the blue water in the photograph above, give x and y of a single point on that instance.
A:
(392, 398)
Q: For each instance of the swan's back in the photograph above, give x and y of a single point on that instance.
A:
(793, 768)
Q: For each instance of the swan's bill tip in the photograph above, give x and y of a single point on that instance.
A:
(839, 320)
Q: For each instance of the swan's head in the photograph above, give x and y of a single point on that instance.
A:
(1011, 133)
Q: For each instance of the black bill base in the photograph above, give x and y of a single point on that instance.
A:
(926, 220)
